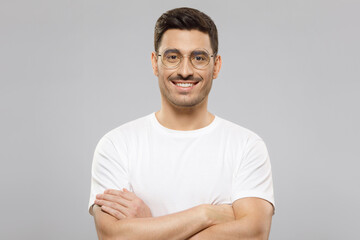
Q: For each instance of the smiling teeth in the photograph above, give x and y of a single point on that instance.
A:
(184, 84)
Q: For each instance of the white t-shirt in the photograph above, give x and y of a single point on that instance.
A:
(173, 170)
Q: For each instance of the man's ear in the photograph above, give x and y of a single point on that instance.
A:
(217, 66)
(154, 64)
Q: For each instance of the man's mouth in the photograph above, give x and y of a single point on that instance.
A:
(185, 84)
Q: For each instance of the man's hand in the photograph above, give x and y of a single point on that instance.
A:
(122, 204)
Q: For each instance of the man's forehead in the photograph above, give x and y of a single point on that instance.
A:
(185, 40)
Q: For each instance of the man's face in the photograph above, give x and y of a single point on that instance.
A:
(185, 42)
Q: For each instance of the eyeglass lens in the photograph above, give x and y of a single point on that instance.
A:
(172, 58)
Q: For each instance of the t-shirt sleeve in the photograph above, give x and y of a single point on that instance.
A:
(253, 176)
(109, 168)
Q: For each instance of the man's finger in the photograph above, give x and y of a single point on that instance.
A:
(117, 193)
(112, 198)
(128, 194)
(117, 207)
(113, 212)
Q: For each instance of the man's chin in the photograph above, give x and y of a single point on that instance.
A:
(186, 104)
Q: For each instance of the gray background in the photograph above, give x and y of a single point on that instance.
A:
(72, 70)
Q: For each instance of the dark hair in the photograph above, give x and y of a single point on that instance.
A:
(185, 19)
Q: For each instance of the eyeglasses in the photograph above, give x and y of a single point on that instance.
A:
(172, 58)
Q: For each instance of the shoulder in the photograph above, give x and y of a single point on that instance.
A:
(237, 132)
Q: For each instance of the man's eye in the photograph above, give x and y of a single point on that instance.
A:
(200, 58)
(172, 57)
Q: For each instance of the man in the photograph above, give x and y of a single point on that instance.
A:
(182, 172)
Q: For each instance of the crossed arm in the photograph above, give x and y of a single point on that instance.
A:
(122, 215)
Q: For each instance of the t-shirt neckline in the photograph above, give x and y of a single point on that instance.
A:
(183, 133)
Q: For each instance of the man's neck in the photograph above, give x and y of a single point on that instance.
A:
(184, 119)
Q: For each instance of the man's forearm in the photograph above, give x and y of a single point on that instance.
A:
(243, 228)
(181, 225)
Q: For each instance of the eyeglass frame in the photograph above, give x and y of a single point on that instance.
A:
(183, 56)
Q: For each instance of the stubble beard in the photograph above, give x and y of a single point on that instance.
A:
(185, 101)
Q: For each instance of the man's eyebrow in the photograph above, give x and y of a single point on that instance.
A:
(198, 51)
(172, 50)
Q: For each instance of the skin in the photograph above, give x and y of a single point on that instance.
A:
(122, 204)
(122, 215)
(179, 110)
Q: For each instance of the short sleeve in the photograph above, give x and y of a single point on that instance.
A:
(109, 168)
(253, 176)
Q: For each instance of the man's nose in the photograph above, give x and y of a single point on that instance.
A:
(185, 68)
